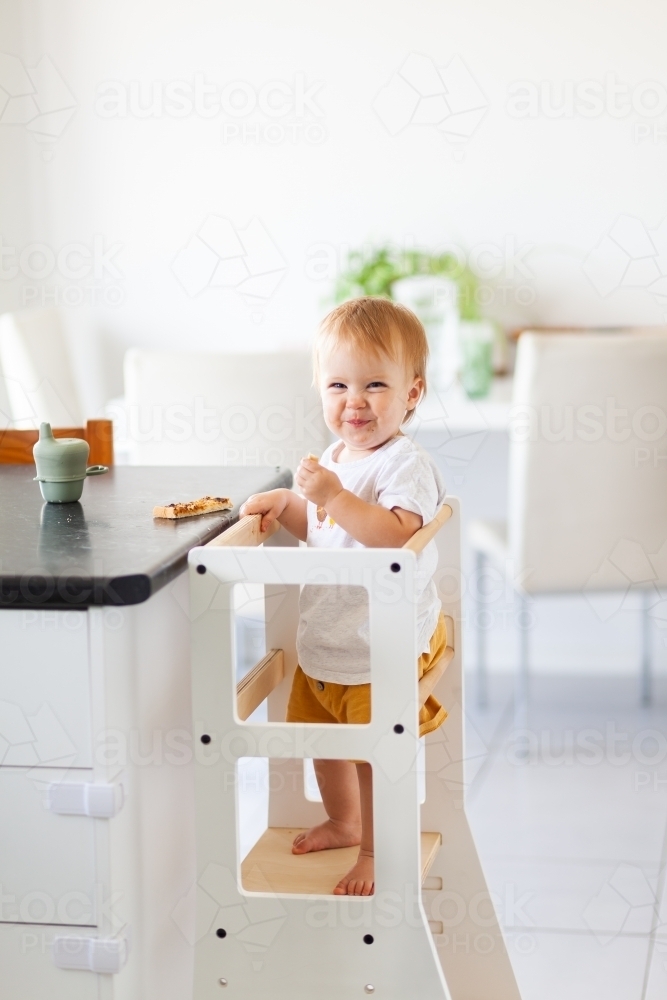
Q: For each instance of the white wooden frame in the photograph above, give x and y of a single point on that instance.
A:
(302, 945)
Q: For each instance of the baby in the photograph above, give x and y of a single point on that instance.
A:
(373, 487)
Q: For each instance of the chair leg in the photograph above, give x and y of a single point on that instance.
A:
(521, 692)
(646, 664)
(482, 675)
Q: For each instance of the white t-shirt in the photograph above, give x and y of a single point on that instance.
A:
(333, 635)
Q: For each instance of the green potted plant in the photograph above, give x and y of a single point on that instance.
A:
(438, 287)
(443, 291)
(375, 273)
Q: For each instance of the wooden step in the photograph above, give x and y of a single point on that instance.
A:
(271, 867)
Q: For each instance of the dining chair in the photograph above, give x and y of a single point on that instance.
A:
(587, 503)
(187, 408)
(35, 362)
(16, 445)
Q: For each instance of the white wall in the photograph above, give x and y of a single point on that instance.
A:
(145, 185)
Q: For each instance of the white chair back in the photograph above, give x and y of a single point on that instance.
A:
(588, 462)
(39, 382)
(222, 409)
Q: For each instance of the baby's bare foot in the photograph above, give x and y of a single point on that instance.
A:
(360, 880)
(327, 836)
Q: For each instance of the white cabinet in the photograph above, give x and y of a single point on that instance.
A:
(47, 861)
(27, 971)
(97, 697)
(44, 689)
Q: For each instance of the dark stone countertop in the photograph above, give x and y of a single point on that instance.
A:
(108, 549)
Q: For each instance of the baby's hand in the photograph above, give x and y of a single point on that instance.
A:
(317, 484)
(270, 505)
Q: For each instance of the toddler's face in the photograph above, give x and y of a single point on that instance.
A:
(365, 397)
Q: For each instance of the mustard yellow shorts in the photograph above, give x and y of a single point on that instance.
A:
(321, 701)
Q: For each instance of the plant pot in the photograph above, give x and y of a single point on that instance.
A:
(476, 339)
(434, 300)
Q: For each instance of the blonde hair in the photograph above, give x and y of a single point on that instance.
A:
(377, 325)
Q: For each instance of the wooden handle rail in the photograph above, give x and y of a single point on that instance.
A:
(428, 682)
(245, 532)
(259, 683)
(421, 538)
(266, 675)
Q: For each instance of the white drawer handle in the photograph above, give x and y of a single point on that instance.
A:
(90, 954)
(83, 798)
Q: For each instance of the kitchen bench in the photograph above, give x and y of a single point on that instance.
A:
(97, 844)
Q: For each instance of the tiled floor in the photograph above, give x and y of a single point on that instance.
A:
(573, 835)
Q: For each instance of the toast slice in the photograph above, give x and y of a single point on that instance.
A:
(191, 508)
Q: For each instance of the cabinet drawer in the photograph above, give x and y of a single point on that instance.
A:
(47, 861)
(28, 972)
(44, 689)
